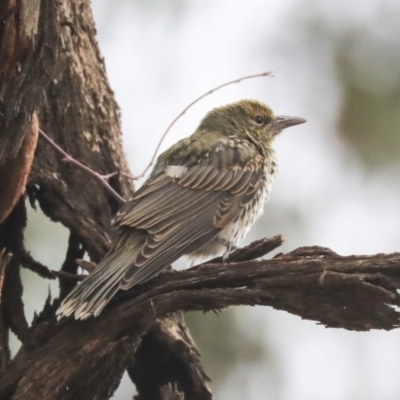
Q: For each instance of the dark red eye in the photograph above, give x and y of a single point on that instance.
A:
(259, 120)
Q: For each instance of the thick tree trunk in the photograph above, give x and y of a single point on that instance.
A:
(77, 109)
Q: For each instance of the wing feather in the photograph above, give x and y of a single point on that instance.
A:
(174, 247)
(180, 208)
(177, 215)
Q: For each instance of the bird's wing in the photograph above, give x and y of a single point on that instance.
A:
(185, 207)
(180, 208)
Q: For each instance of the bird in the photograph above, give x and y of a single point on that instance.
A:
(201, 198)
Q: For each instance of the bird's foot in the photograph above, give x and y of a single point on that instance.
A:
(230, 248)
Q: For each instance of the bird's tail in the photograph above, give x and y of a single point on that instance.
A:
(97, 289)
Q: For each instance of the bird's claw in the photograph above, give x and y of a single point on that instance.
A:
(230, 248)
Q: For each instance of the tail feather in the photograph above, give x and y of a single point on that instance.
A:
(133, 260)
(96, 290)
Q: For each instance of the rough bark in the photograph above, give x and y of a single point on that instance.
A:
(141, 331)
(76, 107)
(80, 114)
(28, 52)
(356, 293)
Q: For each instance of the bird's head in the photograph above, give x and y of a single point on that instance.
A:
(250, 118)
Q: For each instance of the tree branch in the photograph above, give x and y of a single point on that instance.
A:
(353, 292)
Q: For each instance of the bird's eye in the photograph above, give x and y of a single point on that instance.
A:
(259, 120)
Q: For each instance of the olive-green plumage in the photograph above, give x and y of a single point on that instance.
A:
(202, 196)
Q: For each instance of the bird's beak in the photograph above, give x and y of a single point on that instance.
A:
(284, 121)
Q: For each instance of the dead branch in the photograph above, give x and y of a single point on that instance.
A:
(355, 293)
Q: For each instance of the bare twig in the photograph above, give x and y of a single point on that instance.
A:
(68, 276)
(27, 261)
(102, 179)
(153, 158)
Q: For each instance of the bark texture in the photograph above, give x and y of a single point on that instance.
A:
(50, 66)
(76, 108)
(28, 52)
(356, 293)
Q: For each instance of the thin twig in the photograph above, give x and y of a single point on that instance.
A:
(102, 179)
(269, 73)
(68, 276)
(99, 178)
(27, 261)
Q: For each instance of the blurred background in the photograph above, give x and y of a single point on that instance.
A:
(337, 64)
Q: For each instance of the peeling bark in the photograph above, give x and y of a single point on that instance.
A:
(14, 172)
